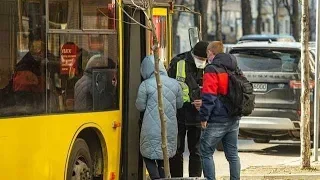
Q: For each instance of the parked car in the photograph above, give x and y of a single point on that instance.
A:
(266, 37)
(227, 47)
(274, 70)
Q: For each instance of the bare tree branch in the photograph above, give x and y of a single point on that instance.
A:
(140, 7)
(146, 27)
(115, 18)
(287, 6)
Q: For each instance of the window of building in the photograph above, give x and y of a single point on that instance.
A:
(268, 26)
(287, 27)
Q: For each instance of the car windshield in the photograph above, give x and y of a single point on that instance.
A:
(268, 60)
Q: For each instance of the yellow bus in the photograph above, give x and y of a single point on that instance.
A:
(69, 76)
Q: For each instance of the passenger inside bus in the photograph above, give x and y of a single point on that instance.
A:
(24, 93)
(96, 89)
(28, 79)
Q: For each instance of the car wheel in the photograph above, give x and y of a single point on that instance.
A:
(261, 140)
(219, 146)
(80, 163)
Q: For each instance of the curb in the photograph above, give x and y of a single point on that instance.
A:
(315, 176)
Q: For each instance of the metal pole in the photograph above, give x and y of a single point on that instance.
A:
(316, 93)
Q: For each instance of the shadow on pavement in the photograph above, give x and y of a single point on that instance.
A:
(290, 150)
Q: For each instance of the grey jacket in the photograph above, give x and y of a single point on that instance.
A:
(147, 100)
(83, 93)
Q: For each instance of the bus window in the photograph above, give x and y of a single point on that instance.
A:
(84, 77)
(93, 14)
(99, 14)
(61, 17)
(22, 80)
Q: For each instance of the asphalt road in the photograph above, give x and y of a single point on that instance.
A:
(254, 154)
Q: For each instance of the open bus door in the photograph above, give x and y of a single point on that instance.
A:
(137, 44)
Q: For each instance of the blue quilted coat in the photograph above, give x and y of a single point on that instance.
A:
(147, 100)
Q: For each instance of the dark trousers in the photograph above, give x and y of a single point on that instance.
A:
(193, 137)
(155, 168)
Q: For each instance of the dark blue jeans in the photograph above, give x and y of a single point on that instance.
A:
(155, 168)
(226, 132)
(193, 137)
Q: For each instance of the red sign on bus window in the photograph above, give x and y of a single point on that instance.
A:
(69, 56)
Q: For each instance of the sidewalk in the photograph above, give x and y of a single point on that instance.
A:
(289, 170)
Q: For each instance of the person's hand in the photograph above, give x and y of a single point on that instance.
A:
(197, 104)
(204, 124)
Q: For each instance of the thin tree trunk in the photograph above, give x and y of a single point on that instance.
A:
(202, 7)
(259, 17)
(295, 21)
(218, 20)
(175, 21)
(305, 91)
(155, 49)
(288, 7)
(275, 9)
(246, 17)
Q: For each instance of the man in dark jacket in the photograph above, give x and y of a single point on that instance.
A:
(28, 79)
(188, 68)
(216, 122)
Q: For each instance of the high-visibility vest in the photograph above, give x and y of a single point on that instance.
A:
(181, 78)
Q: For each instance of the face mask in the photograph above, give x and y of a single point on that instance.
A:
(200, 64)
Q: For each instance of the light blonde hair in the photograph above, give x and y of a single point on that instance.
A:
(37, 46)
(215, 47)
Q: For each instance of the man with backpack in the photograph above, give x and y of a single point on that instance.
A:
(187, 68)
(226, 96)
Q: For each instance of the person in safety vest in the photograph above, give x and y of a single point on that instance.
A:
(187, 68)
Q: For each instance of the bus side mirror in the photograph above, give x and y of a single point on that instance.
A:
(194, 36)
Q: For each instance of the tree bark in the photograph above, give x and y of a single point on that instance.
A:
(259, 18)
(155, 50)
(202, 7)
(218, 20)
(305, 90)
(246, 17)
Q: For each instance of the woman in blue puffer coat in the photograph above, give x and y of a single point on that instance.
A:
(147, 101)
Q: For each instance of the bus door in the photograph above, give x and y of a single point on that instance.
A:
(137, 44)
